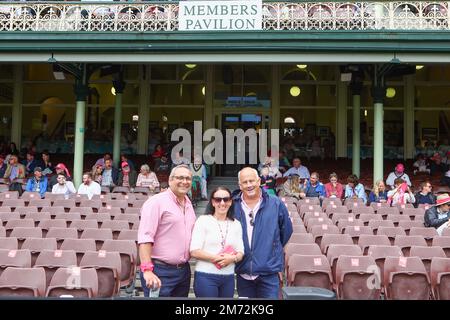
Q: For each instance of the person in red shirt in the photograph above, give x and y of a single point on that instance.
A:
(333, 188)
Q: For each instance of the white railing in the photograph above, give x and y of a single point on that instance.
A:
(158, 17)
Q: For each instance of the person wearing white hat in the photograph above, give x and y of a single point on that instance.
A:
(439, 214)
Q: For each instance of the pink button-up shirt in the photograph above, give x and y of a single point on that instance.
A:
(164, 224)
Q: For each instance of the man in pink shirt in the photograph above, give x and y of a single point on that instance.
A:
(164, 237)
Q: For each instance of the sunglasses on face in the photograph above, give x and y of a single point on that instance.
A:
(219, 199)
(252, 222)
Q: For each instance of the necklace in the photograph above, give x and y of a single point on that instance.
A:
(224, 238)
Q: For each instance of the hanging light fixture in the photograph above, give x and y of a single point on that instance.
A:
(390, 92)
(302, 66)
(419, 67)
(190, 66)
(295, 91)
(113, 91)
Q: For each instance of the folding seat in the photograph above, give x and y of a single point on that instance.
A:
(406, 242)
(427, 233)
(79, 246)
(298, 229)
(69, 216)
(36, 245)
(123, 190)
(309, 271)
(138, 203)
(375, 224)
(80, 225)
(21, 233)
(336, 216)
(24, 210)
(116, 226)
(9, 195)
(404, 207)
(298, 238)
(329, 239)
(319, 230)
(356, 231)
(132, 235)
(28, 196)
(405, 278)
(53, 259)
(308, 208)
(46, 224)
(331, 202)
(37, 217)
(128, 255)
(331, 211)
(357, 277)
(9, 243)
(311, 200)
(99, 217)
(379, 253)
(130, 210)
(446, 232)
(62, 233)
(310, 215)
(387, 211)
(391, 232)
(418, 218)
(408, 224)
(337, 250)
(13, 203)
(99, 235)
(426, 254)
(54, 210)
(13, 223)
(122, 204)
(365, 218)
(110, 210)
(143, 190)
(440, 278)
(22, 282)
(377, 205)
(444, 243)
(366, 240)
(140, 197)
(296, 221)
(66, 203)
(350, 202)
(53, 196)
(349, 222)
(75, 282)
(94, 204)
(105, 190)
(79, 197)
(318, 221)
(40, 203)
(108, 266)
(6, 216)
(362, 210)
(14, 258)
(425, 206)
(5, 209)
(301, 249)
(413, 213)
(396, 218)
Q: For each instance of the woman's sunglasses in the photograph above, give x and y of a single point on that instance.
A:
(219, 199)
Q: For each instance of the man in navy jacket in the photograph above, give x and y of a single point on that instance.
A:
(266, 229)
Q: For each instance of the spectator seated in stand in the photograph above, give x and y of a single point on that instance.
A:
(297, 168)
(438, 215)
(60, 169)
(110, 175)
(313, 187)
(63, 186)
(378, 193)
(158, 152)
(38, 183)
(30, 163)
(354, 189)
(421, 165)
(101, 161)
(147, 178)
(47, 166)
(89, 187)
(124, 158)
(127, 176)
(14, 170)
(334, 189)
(398, 173)
(162, 166)
(97, 173)
(425, 195)
(274, 172)
(437, 168)
(293, 186)
(401, 194)
(268, 182)
(3, 165)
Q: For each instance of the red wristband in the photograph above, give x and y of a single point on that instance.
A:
(147, 266)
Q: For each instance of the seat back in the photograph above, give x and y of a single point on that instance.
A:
(99, 235)
(444, 243)
(79, 246)
(406, 242)
(329, 239)
(128, 255)
(36, 245)
(23, 282)
(426, 254)
(299, 238)
(440, 278)
(74, 281)
(380, 252)
(366, 240)
(51, 260)
(337, 250)
(309, 271)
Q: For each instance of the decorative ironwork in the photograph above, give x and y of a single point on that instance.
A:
(159, 17)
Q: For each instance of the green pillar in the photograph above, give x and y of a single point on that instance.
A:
(16, 125)
(144, 110)
(341, 118)
(408, 118)
(81, 91)
(378, 93)
(356, 154)
(119, 85)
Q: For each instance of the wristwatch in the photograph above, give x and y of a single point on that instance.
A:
(147, 266)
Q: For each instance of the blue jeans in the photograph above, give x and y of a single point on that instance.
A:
(174, 282)
(267, 286)
(209, 285)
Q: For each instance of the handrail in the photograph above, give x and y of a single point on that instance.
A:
(110, 16)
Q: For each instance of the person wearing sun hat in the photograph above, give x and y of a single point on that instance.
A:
(438, 214)
(127, 176)
(399, 172)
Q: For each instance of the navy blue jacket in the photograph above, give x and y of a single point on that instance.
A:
(271, 232)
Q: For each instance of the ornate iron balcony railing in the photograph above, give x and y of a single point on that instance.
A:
(160, 17)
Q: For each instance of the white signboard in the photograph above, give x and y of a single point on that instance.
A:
(220, 15)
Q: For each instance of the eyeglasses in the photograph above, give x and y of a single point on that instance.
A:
(219, 199)
(181, 178)
(252, 222)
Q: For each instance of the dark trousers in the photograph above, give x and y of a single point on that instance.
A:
(175, 282)
(266, 286)
(208, 285)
